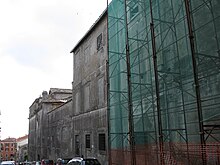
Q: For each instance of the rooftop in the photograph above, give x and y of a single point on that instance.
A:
(9, 139)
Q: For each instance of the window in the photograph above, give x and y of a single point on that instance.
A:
(77, 103)
(134, 11)
(87, 54)
(99, 42)
(86, 98)
(87, 141)
(102, 142)
(77, 145)
(101, 93)
(133, 8)
(37, 122)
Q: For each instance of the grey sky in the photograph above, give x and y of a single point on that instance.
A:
(36, 37)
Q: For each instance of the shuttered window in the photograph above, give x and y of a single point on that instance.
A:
(102, 142)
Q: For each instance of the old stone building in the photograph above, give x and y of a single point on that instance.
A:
(39, 139)
(60, 132)
(67, 123)
(89, 92)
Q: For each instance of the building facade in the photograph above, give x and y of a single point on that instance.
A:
(89, 114)
(164, 82)
(69, 123)
(163, 95)
(8, 149)
(38, 139)
(22, 149)
(60, 132)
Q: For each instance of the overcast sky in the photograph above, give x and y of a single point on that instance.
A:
(36, 37)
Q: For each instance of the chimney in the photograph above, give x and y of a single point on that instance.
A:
(44, 95)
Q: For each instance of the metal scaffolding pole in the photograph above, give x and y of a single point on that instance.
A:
(196, 81)
(108, 96)
(156, 86)
(130, 105)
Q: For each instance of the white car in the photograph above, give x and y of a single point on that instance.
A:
(8, 162)
(83, 161)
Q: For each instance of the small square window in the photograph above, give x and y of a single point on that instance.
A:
(88, 141)
(134, 9)
(99, 42)
(102, 142)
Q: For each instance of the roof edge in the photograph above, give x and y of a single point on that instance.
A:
(89, 31)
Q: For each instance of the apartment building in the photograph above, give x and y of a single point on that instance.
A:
(8, 149)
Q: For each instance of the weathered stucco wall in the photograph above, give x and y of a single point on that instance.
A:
(89, 93)
(39, 125)
(59, 135)
(59, 129)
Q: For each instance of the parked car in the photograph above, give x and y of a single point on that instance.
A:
(62, 161)
(36, 163)
(65, 161)
(83, 161)
(47, 162)
(59, 161)
(8, 162)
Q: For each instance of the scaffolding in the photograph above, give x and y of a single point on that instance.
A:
(164, 82)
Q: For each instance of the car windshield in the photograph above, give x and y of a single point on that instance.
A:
(65, 161)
